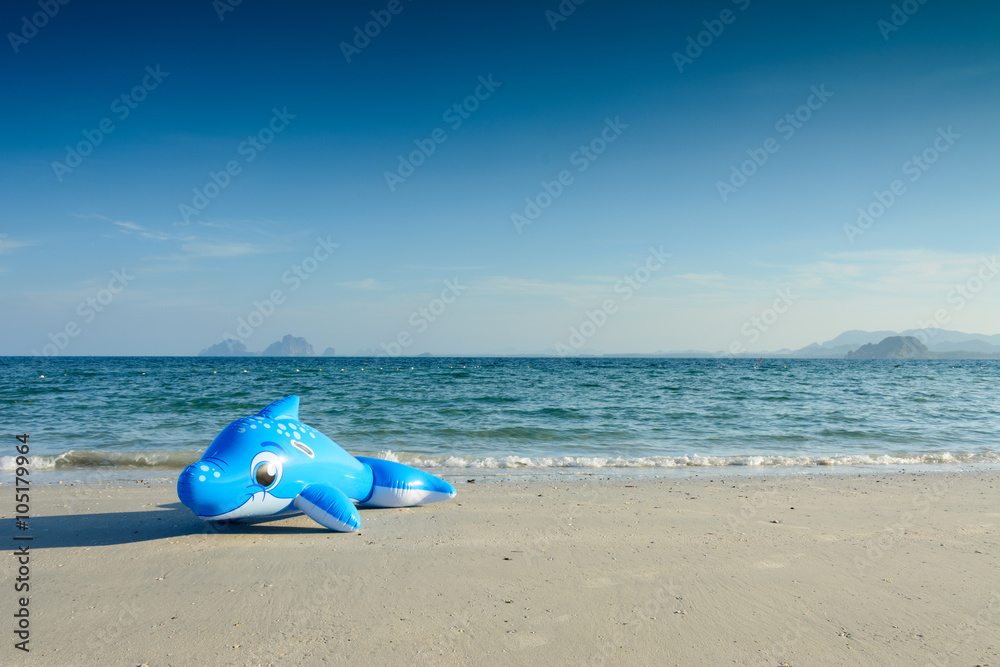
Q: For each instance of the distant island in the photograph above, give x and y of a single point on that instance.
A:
(289, 346)
(230, 347)
(854, 344)
(893, 347)
(857, 344)
(938, 344)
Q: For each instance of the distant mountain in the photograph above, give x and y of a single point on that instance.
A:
(893, 347)
(967, 346)
(289, 346)
(944, 340)
(855, 338)
(837, 348)
(938, 342)
(230, 347)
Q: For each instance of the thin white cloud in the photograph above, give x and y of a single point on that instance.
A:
(507, 285)
(732, 286)
(887, 274)
(900, 272)
(129, 227)
(896, 255)
(204, 249)
(598, 279)
(715, 279)
(366, 284)
(7, 245)
(440, 269)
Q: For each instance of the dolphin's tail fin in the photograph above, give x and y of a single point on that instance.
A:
(398, 485)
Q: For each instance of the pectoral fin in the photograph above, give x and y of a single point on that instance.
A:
(330, 507)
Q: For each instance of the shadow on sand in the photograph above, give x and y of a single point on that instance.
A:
(169, 520)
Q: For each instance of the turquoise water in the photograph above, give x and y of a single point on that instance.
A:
(513, 414)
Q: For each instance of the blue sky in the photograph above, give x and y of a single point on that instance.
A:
(598, 99)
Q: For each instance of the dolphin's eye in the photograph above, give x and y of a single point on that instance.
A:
(266, 472)
(266, 469)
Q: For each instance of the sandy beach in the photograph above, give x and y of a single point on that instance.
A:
(884, 569)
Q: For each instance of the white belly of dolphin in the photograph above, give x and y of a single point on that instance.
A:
(261, 503)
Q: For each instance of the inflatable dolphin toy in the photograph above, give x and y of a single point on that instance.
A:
(271, 464)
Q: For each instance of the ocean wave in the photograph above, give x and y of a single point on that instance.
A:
(173, 459)
(522, 462)
(178, 459)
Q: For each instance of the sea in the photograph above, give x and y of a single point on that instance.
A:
(114, 418)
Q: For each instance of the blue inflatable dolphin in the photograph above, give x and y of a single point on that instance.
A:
(271, 463)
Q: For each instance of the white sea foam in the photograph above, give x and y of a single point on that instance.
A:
(176, 460)
(522, 462)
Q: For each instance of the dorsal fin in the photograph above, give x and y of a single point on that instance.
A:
(283, 408)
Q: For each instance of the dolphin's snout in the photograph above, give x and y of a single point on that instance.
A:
(203, 489)
(185, 487)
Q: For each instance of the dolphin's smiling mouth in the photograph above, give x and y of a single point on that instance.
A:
(260, 503)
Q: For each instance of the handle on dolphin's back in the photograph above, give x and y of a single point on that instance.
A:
(398, 485)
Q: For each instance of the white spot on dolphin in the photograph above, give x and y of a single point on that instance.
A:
(201, 478)
(217, 474)
(204, 468)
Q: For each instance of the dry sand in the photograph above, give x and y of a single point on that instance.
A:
(896, 569)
